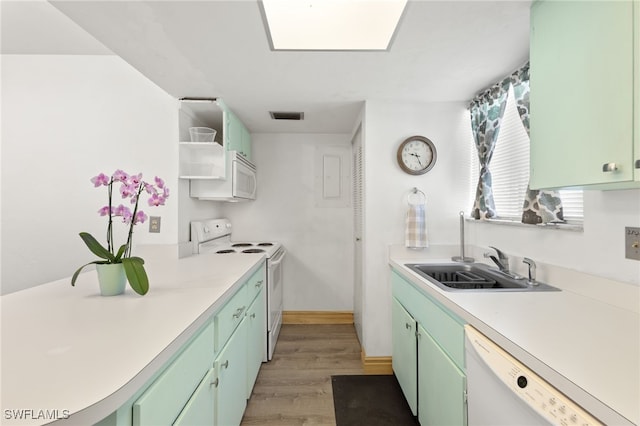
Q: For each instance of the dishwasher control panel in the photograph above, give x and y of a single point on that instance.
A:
(543, 398)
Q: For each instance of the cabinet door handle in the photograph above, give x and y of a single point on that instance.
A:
(225, 364)
(407, 326)
(215, 383)
(258, 284)
(609, 167)
(253, 315)
(637, 164)
(239, 312)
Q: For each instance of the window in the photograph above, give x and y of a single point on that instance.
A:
(510, 171)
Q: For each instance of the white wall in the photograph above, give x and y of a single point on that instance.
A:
(318, 269)
(64, 120)
(386, 125)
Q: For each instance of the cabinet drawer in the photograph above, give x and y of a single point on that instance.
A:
(445, 327)
(256, 283)
(164, 399)
(230, 316)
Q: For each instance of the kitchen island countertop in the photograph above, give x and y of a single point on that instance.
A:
(71, 355)
(585, 347)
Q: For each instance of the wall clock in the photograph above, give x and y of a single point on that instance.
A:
(416, 155)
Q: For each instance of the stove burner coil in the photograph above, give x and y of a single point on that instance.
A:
(241, 245)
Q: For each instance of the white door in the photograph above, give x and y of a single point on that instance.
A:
(358, 216)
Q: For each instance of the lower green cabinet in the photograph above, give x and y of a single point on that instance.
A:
(231, 365)
(428, 356)
(257, 338)
(200, 410)
(211, 377)
(441, 385)
(404, 357)
(163, 401)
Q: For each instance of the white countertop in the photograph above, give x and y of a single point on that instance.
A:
(587, 348)
(69, 349)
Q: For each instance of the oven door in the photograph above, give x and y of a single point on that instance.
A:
(274, 300)
(244, 180)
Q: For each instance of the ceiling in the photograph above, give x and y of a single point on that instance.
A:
(442, 51)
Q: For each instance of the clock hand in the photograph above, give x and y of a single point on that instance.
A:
(417, 156)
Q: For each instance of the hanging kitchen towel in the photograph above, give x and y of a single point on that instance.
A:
(416, 226)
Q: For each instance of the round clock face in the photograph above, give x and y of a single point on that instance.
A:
(416, 155)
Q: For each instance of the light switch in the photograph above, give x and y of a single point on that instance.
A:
(632, 243)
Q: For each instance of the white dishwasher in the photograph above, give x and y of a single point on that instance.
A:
(502, 391)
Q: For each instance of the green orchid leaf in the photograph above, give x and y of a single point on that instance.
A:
(96, 248)
(75, 274)
(137, 276)
(120, 253)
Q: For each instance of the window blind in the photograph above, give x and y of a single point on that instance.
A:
(510, 170)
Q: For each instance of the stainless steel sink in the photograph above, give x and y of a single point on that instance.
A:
(474, 277)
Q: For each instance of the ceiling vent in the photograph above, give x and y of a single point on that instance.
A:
(297, 116)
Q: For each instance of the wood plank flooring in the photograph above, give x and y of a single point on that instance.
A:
(294, 388)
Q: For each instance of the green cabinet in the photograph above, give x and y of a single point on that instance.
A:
(404, 359)
(584, 101)
(231, 365)
(239, 136)
(204, 160)
(428, 355)
(208, 381)
(163, 401)
(257, 337)
(200, 408)
(442, 389)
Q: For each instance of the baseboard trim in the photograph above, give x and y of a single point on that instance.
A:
(376, 364)
(317, 317)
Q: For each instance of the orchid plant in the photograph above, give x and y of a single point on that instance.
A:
(131, 187)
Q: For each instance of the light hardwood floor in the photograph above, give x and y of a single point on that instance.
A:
(294, 388)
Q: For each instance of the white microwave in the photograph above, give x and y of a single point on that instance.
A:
(240, 183)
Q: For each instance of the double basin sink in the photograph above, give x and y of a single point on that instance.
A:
(474, 277)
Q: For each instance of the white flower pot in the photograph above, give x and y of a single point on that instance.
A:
(111, 278)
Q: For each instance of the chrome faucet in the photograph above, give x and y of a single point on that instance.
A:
(532, 271)
(502, 261)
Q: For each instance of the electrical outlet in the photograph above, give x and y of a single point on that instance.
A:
(154, 224)
(632, 243)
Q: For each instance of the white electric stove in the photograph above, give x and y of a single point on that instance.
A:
(214, 236)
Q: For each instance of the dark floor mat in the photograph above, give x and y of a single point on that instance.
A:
(371, 400)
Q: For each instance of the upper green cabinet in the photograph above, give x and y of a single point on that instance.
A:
(206, 160)
(239, 136)
(584, 89)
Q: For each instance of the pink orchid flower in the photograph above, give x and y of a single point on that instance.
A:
(100, 180)
(140, 217)
(156, 200)
(134, 180)
(120, 176)
(127, 191)
(104, 211)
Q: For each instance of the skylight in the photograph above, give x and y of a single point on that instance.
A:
(331, 24)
